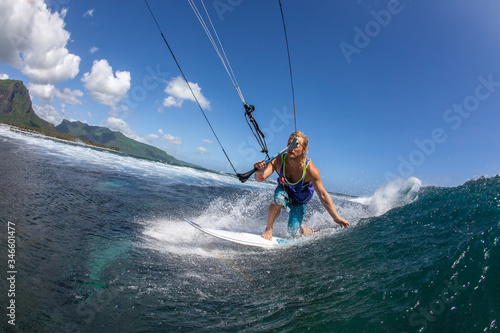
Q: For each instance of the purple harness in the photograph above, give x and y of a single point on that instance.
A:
(299, 192)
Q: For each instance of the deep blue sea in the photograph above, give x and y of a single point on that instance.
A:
(100, 245)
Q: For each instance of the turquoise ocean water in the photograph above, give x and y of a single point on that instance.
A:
(101, 246)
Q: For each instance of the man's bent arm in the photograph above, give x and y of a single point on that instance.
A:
(263, 170)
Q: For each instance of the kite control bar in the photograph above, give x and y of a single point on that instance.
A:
(294, 144)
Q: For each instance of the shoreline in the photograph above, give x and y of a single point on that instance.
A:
(43, 136)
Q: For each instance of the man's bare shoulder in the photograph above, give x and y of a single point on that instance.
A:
(277, 163)
(312, 173)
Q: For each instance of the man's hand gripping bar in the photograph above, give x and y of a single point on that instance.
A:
(294, 144)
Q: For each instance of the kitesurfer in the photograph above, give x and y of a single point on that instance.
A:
(297, 181)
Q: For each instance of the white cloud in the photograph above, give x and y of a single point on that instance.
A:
(153, 136)
(171, 101)
(202, 150)
(178, 92)
(49, 113)
(69, 96)
(117, 124)
(94, 49)
(120, 125)
(104, 86)
(34, 40)
(3, 76)
(44, 92)
(160, 131)
(89, 12)
(172, 140)
(207, 141)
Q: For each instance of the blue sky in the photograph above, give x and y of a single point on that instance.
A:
(383, 89)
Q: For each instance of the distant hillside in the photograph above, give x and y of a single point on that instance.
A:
(107, 137)
(15, 106)
(15, 109)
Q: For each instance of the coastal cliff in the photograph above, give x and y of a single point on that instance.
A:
(15, 106)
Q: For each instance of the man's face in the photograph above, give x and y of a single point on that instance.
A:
(297, 151)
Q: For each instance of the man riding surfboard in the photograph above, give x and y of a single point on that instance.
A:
(297, 181)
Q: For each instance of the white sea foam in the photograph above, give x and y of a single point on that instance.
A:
(248, 213)
(171, 236)
(393, 194)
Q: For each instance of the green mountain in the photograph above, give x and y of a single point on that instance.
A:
(16, 109)
(107, 137)
(15, 106)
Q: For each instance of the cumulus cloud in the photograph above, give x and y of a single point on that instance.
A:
(172, 140)
(153, 136)
(69, 96)
(104, 86)
(3, 76)
(207, 141)
(202, 150)
(178, 92)
(171, 101)
(117, 124)
(120, 125)
(34, 40)
(94, 49)
(49, 113)
(44, 92)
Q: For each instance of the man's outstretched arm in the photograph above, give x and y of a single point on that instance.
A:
(324, 197)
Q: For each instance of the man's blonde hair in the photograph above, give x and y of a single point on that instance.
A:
(305, 145)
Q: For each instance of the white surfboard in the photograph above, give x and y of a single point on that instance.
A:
(243, 237)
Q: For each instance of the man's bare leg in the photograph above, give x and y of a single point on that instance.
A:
(272, 215)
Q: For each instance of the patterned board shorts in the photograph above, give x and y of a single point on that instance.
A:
(295, 209)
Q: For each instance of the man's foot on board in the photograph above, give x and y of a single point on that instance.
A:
(306, 231)
(268, 234)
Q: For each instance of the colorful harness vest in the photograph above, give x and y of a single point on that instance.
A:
(299, 192)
